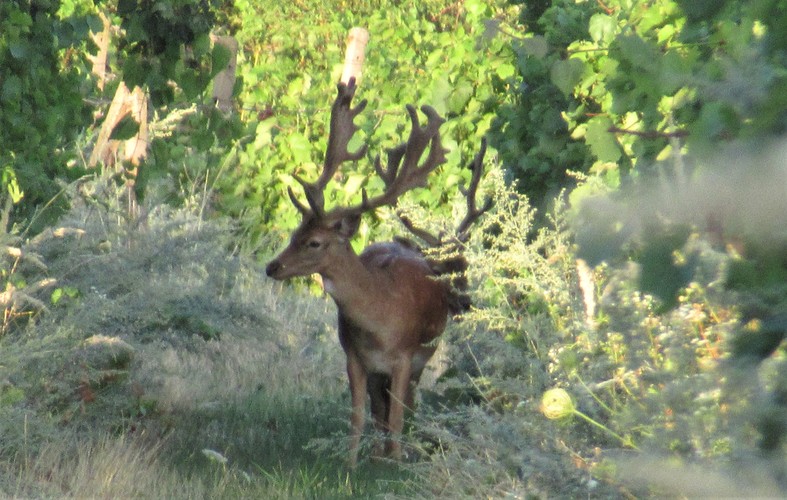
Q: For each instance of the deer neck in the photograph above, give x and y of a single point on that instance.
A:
(348, 281)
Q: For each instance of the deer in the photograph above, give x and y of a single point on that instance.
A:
(391, 304)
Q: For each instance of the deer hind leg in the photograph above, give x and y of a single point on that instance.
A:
(419, 363)
(379, 387)
(358, 383)
(400, 387)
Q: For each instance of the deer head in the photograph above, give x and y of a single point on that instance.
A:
(321, 234)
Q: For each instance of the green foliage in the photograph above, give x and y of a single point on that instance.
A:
(421, 53)
(41, 106)
(608, 88)
(164, 46)
(532, 134)
(166, 49)
(651, 90)
(668, 381)
(169, 41)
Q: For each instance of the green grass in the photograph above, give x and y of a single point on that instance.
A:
(178, 370)
(232, 386)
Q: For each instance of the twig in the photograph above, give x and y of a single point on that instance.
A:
(649, 134)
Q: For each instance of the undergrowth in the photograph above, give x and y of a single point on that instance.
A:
(175, 368)
(570, 386)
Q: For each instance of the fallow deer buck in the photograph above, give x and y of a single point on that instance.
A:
(391, 304)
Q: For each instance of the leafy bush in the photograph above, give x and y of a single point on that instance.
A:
(635, 376)
(426, 53)
(42, 107)
(612, 88)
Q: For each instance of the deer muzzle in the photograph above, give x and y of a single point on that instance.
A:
(275, 270)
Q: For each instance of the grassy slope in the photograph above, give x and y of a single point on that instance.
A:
(223, 360)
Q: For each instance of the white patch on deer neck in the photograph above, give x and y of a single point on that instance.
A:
(328, 286)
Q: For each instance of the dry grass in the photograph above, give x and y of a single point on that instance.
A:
(219, 358)
(178, 370)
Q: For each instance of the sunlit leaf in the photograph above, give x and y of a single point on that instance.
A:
(602, 28)
(601, 141)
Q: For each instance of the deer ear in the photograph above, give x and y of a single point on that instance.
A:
(348, 225)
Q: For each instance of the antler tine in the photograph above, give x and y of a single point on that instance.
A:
(427, 237)
(342, 129)
(473, 212)
(300, 206)
(419, 139)
(402, 172)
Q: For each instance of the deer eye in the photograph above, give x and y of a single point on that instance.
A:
(314, 243)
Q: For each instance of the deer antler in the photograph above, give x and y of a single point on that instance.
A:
(342, 129)
(402, 171)
(473, 213)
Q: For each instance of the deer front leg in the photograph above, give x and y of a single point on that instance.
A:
(400, 385)
(358, 379)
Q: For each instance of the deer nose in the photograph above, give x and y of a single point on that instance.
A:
(272, 268)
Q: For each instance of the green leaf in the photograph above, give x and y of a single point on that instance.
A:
(189, 81)
(125, 129)
(639, 53)
(602, 142)
(12, 88)
(220, 58)
(19, 18)
(602, 29)
(505, 71)
(94, 23)
(201, 45)
(11, 184)
(300, 147)
(441, 90)
(18, 49)
(57, 294)
(535, 46)
(135, 71)
(126, 7)
(717, 121)
(462, 92)
(566, 74)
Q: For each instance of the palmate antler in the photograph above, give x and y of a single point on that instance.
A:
(401, 173)
(473, 213)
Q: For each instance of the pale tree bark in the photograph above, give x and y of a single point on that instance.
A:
(354, 55)
(224, 82)
(100, 60)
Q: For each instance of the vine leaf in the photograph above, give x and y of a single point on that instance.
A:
(125, 129)
(566, 74)
(602, 29)
(602, 142)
